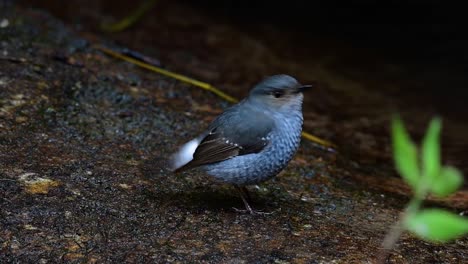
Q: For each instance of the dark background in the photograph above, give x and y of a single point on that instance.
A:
(430, 35)
(426, 33)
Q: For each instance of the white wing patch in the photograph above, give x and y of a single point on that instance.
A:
(185, 154)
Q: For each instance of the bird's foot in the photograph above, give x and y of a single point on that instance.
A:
(251, 211)
(248, 209)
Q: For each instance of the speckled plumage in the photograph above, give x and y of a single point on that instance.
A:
(258, 167)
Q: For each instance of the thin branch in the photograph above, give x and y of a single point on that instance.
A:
(131, 19)
(206, 86)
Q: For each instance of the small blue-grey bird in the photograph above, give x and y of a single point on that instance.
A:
(251, 141)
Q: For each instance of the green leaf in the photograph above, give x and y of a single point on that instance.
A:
(437, 225)
(449, 180)
(431, 152)
(405, 154)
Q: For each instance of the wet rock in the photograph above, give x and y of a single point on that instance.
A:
(83, 175)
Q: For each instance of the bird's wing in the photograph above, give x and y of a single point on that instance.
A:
(232, 134)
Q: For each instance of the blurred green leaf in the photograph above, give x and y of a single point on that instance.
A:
(431, 151)
(405, 154)
(437, 225)
(449, 180)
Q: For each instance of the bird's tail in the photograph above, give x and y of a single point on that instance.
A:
(184, 155)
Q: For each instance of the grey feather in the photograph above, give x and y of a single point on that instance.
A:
(232, 134)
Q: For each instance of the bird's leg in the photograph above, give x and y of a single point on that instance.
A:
(245, 196)
(242, 192)
(246, 191)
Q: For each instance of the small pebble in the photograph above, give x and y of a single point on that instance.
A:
(68, 214)
(4, 23)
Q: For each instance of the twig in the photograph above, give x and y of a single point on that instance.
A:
(130, 19)
(3, 179)
(206, 86)
(14, 59)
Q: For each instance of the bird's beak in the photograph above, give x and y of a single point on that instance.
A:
(304, 88)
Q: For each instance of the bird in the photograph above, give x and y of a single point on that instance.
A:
(251, 141)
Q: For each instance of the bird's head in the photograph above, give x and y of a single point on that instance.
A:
(279, 92)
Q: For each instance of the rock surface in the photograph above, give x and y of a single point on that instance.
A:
(83, 142)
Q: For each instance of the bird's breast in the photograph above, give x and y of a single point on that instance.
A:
(253, 168)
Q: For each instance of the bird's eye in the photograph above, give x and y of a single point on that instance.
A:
(277, 94)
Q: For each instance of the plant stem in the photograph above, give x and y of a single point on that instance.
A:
(394, 235)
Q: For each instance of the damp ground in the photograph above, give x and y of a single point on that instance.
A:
(84, 139)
